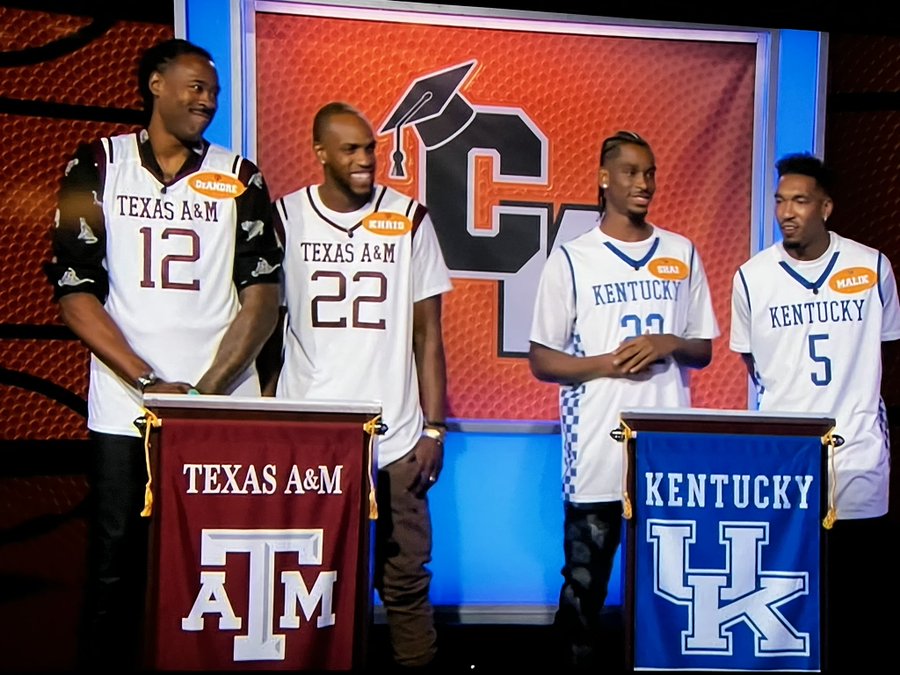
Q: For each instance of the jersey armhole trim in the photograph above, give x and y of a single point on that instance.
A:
(418, 215)
(572, 273)
(746, 290)
(282, 207)
(107, 149)
(691, 263)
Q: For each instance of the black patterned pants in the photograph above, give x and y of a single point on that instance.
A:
(591, 537)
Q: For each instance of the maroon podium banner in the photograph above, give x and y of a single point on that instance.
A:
(259, 557)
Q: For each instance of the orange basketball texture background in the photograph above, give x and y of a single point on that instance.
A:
(51, 99)
(692, 100)
(102, 74)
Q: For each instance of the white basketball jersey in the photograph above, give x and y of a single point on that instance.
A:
(596, 292)
(815, 330)
(170, 256)
(350, 282)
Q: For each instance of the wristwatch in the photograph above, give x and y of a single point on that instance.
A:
(434, 433)
(147, 380)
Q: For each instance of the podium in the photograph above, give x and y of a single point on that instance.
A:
(725, 543)
(259, 553)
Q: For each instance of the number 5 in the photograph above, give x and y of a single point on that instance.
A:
(824, 379)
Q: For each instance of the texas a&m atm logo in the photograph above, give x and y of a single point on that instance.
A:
(512, 242)
(258, 640)
(744, 594)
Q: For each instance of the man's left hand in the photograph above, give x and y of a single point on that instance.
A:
(429, 456)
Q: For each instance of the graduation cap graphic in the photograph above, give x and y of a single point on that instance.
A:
(434, 107)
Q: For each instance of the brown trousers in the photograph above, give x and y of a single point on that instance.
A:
(402, 553)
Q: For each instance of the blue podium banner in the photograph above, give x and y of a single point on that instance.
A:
(726, 558)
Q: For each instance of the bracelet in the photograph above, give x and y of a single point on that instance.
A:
(436, 425)
(147, 380)
(434, 434)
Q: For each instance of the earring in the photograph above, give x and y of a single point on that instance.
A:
(604, 185)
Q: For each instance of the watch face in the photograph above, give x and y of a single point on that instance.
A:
(436, 434)
(146, 380)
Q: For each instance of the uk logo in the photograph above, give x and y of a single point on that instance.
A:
(745, 594)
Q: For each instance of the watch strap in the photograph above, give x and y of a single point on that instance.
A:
(147, 380)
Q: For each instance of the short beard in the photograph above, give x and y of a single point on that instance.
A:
(638, 218)
(352, 195)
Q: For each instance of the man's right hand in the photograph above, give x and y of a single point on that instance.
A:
(161, 387)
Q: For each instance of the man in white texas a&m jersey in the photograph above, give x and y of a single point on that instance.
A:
(166, 265)
(622, 314)
(363, 281)
(809, 315)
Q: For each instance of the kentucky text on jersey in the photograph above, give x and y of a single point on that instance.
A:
(152, 208)
(631, 291)
(689, 490)
(329, 252)
(821, 311)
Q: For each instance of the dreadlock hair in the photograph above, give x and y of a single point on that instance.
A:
(156, 59)
(610, 149)
(805, 164)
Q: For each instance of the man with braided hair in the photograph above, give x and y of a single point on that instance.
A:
(623, 312)
(166, 265)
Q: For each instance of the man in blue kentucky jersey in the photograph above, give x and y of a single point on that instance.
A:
(622, 314)
(809, 315)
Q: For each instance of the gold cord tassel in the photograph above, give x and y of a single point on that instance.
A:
(627, 435)
(831, 515)
(371, 428)
(152, 422)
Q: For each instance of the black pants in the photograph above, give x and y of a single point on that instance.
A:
(112, 619)
(862, 594)
(591, 537)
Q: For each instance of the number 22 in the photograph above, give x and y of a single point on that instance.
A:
(322, 300)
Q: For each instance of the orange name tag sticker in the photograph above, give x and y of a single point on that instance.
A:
(853, 280)
(670, 269)
(389, 224)
(216, 185)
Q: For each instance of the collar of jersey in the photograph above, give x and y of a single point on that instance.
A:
(148, 159)
(636, 264)
(806, 283)
(313, 196)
